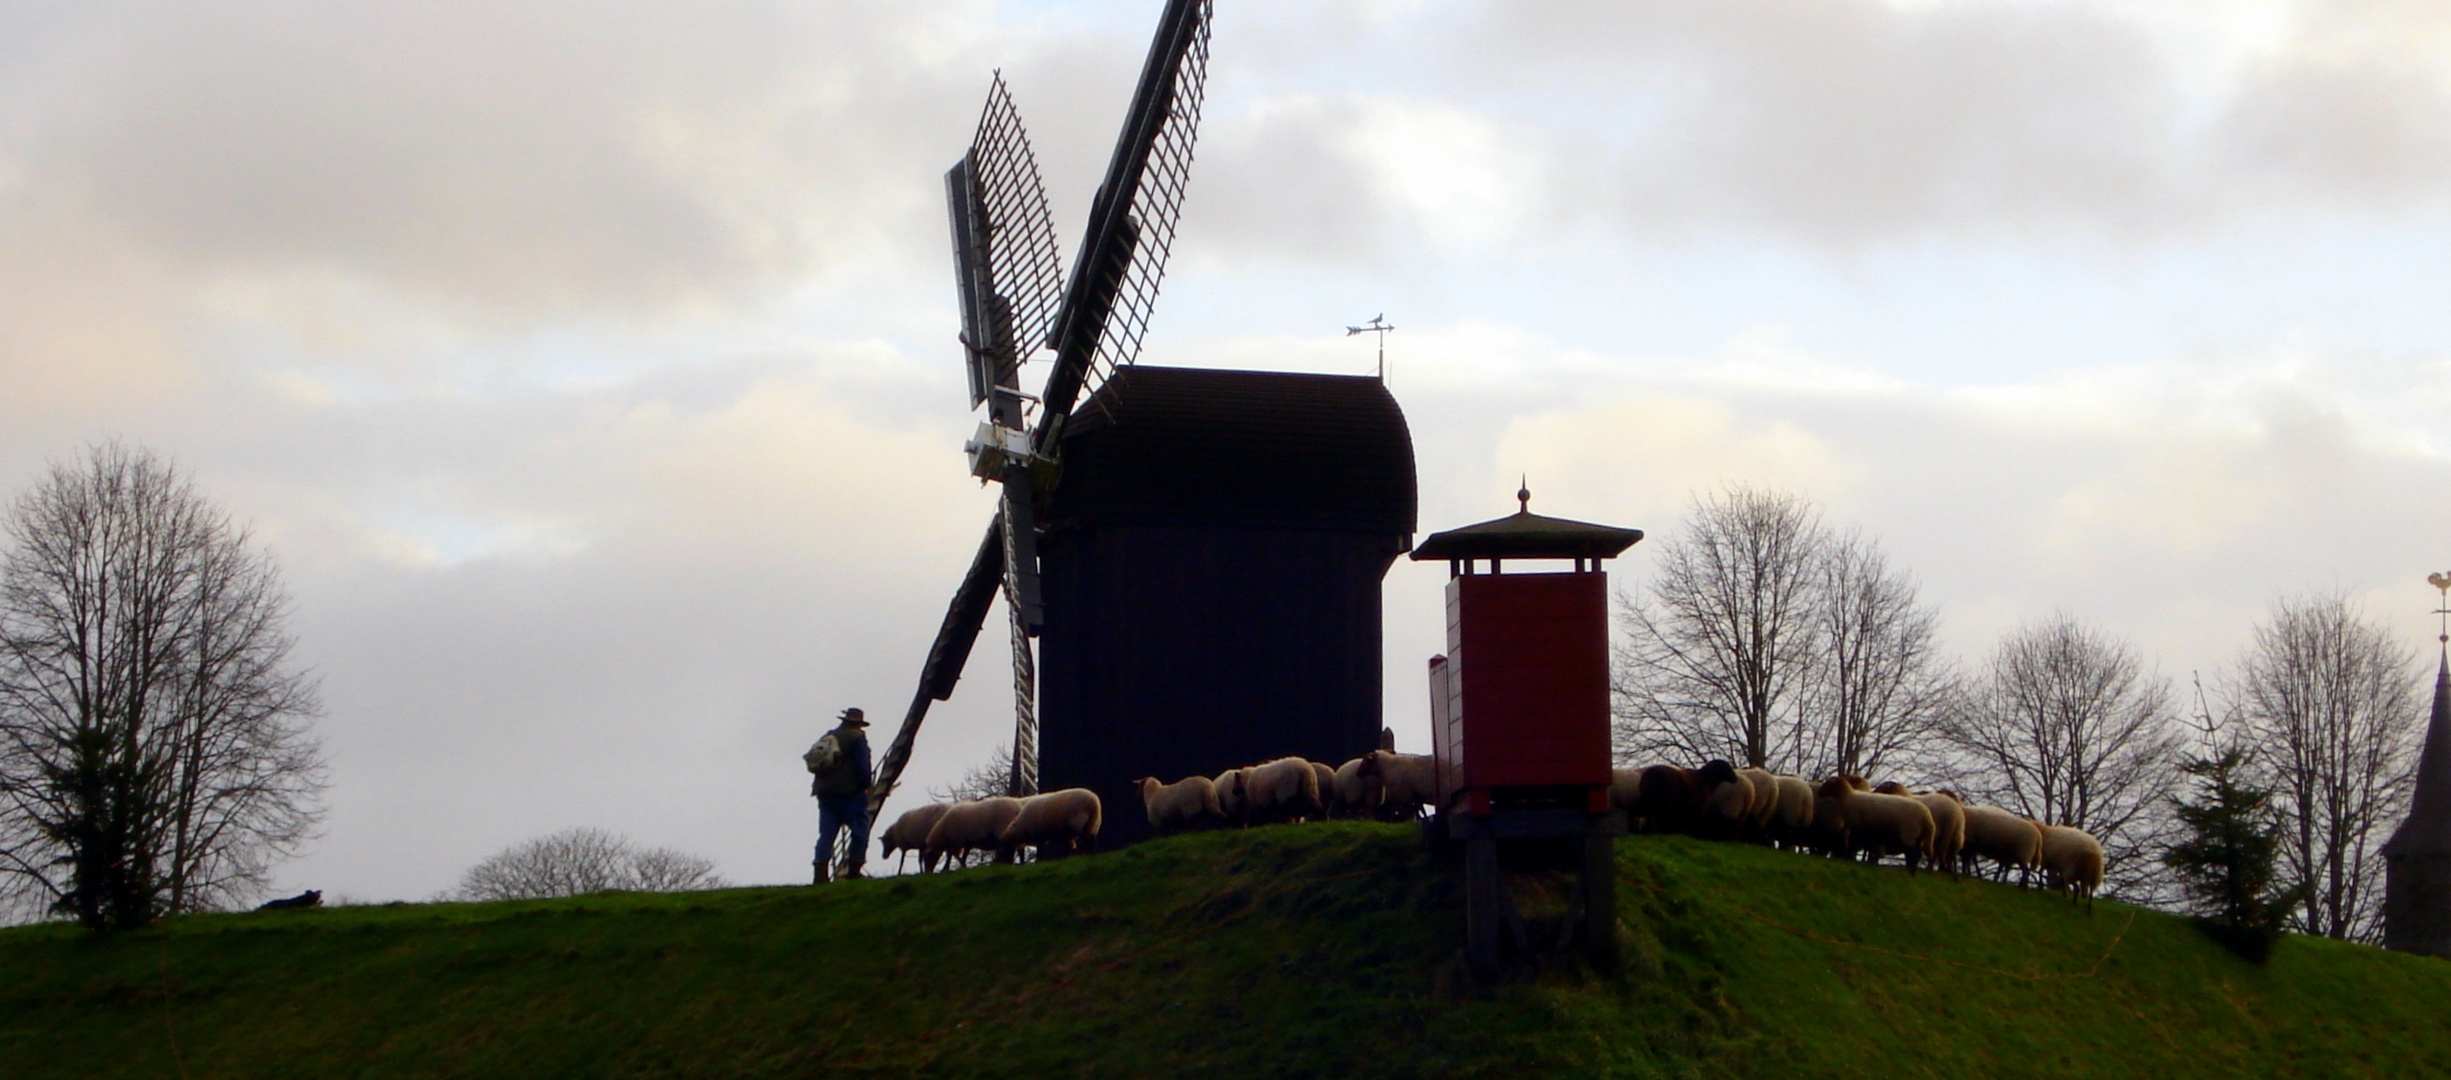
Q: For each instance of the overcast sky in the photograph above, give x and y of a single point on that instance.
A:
(589, 366)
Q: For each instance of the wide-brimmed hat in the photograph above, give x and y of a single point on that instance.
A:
(853, 715)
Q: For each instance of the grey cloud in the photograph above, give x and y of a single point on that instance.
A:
(545, 156)
(1853, 122)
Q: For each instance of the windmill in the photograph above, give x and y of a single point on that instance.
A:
(1013, 307)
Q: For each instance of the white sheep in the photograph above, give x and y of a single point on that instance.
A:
(1355, 795)
(1948, 823)
(1327, 788)
(1286, 789)
(1765, 804)
(909, 833)
(1181, 806)
(1229, 785)
(1407, 782)
(970, 826)
(1792, 825)
(1067, 818)
(1625, 790)
(2072, 860)
(2005, 838)
(1881, 824)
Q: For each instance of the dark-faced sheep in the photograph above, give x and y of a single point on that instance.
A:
(2005, 838)
(1668, 800)
(1286, 789)
(1881, 824)
(971, 826)
(1065, 819)
(2072, 861)
(1181, 806)
(1355, 795)
(1727, 800)
(1948, 823)
(909, 833)
(1407, 782)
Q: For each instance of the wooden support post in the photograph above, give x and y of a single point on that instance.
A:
(1600, 901)
(1484, 907)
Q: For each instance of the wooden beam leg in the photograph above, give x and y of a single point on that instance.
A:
(1484, 907)
(1600, 901)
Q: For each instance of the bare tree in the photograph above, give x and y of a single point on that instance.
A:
(1718, 645)
(2067, 728)
(991, 777)
(154, 756)
(2334, 703)
(1880, 688)
(575, 862)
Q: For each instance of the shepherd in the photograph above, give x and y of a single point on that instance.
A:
(840, 777)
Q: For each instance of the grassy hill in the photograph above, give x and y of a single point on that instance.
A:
(1312, 951)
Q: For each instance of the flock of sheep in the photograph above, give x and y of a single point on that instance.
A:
(1842, 816)
(1000, 824)
(1381, 784)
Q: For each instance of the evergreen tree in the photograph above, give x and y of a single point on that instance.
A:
(2225, 863)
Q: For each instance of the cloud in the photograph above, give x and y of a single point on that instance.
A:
(1851, 123)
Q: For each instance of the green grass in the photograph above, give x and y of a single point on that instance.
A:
(1310, 951)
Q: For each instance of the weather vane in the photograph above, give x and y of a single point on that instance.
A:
(2442, 584)
(1378, 325)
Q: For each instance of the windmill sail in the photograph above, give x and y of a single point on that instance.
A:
(1013, 297)
(946, 657)
(1114, 282)
(1004, 249)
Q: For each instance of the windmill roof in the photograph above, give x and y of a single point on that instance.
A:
(1526, 535)
(1201, 446)
(2428, 828)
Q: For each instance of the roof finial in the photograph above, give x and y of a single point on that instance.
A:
(2442, 584)
(1523, 494)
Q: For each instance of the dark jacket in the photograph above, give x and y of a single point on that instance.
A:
(856, 775)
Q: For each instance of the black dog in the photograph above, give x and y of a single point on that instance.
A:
(309, 898)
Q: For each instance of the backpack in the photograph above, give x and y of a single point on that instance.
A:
(826, 757)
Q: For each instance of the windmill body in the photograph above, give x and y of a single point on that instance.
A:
(1212, 563)
(1194, 555)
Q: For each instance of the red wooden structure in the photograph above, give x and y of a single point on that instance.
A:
(1519, 708)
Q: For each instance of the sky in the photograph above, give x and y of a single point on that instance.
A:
(589, 367)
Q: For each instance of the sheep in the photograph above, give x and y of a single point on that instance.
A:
(1880, 823)
(1407, 782)
(1948, 823)
(970, 826)
(909, 833)
(2005, 838)
(1229, 785)
(1625, 788)
(1286, 789)
(1180, 806)
(1356, 795)
(1668, 799)
(1064, 818)
(2072, 860)
(1792, 823)
(1727, 800)
(1327, 788)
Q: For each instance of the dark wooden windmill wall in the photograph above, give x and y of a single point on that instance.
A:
(1212, 561)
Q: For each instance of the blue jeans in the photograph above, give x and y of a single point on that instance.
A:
(838, 812)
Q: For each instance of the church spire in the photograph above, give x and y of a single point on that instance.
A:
(2417, 860)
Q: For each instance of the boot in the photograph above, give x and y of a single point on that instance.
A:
(851, 870)
(820, 866)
